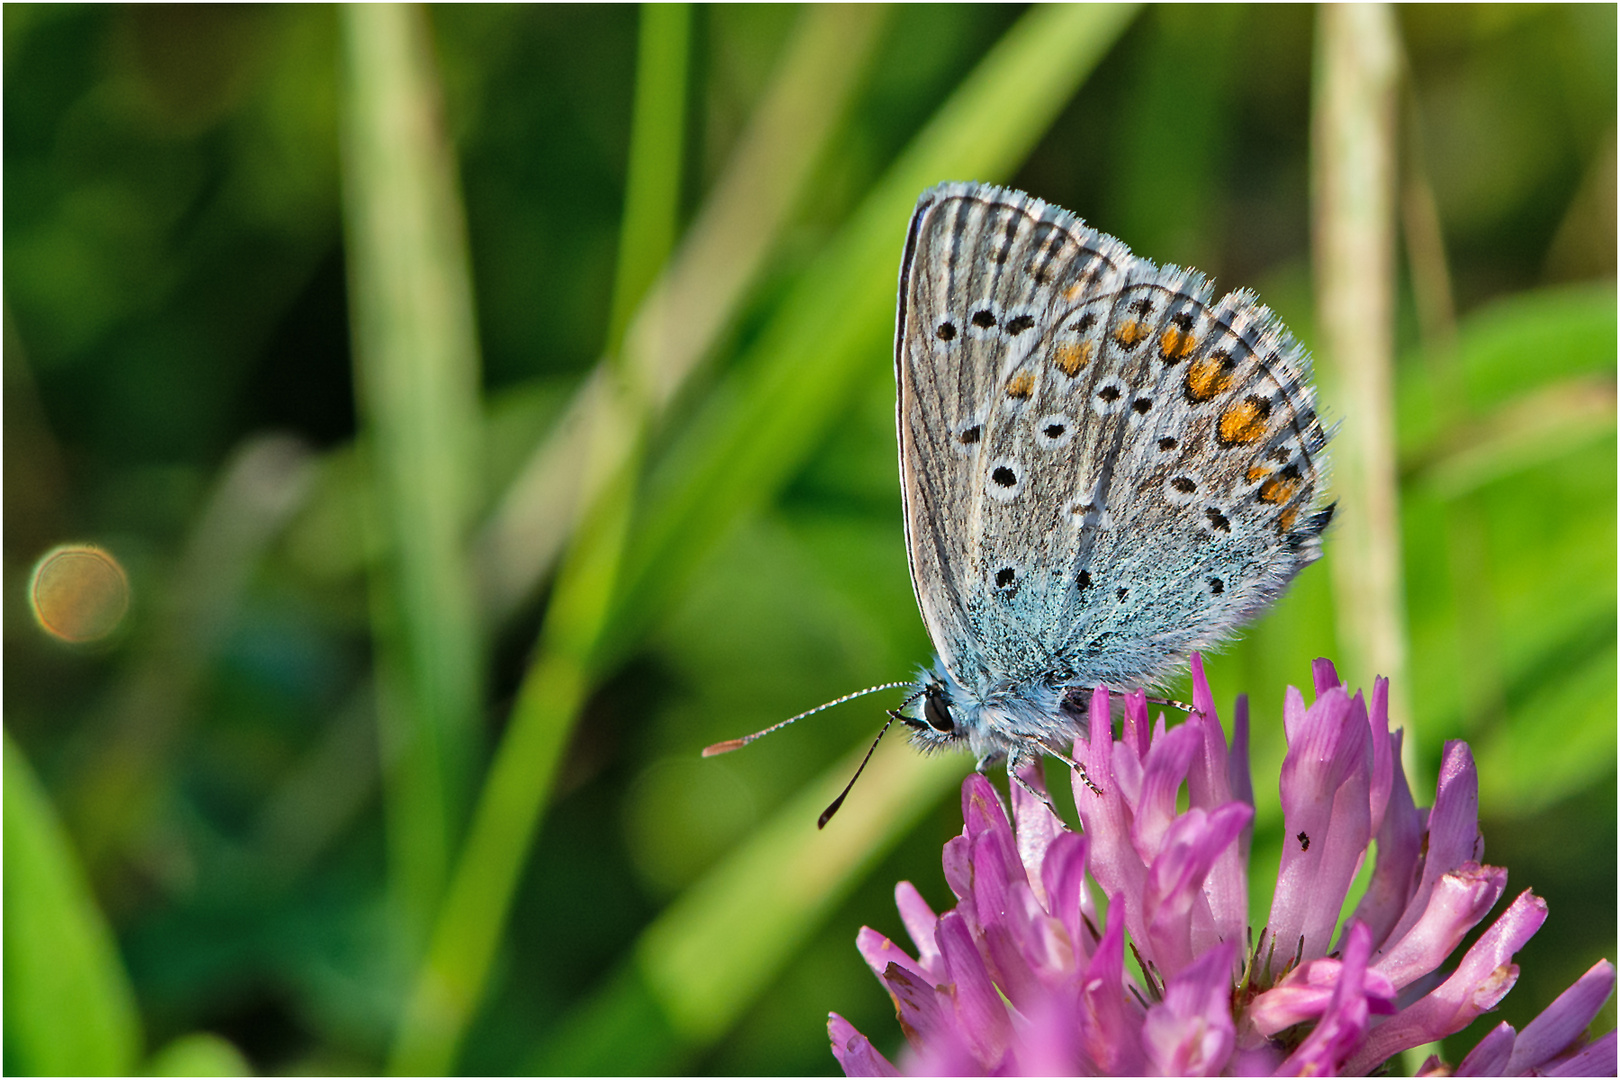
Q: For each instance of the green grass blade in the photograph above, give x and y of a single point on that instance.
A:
(711, 952)
(835, 326)
(1353, 177)
(69, 1007)
(720, 258)
(717, 947)
(653, 190)
(1540, 427)
(451, 983)
(1570, 330)
(417, 376)
(1521, 456)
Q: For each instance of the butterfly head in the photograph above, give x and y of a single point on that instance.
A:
(995, 720)
(934, 725)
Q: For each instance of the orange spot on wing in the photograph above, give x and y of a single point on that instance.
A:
(1244, 422)
(1021, 385)
(1176, 345)
(1209, 376)
(1285, 520)
(1280, 488)
(1257, 473)
(1130, 333)
(1071, 356)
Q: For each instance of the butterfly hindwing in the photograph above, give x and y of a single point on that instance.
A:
(1209, 496)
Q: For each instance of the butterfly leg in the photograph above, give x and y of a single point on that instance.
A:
(1016, 763)
(1079, 696)
(1076, 766)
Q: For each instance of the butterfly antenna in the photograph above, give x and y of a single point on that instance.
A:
(736, 744)
(826, 815)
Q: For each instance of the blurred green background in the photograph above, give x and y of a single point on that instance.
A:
(296, 303)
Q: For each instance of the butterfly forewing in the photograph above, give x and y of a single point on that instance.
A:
(985, 272)
(1102, 467)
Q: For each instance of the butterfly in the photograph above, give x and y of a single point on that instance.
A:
(1103, 469)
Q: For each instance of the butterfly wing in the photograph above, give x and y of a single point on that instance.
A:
(1206, 503)
(984, 271)
(1052, 390)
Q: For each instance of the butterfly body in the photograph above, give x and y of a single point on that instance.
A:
(1104, 467)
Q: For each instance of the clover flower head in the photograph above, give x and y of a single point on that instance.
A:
(1025, 977)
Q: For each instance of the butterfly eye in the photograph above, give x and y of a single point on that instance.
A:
(937, 713)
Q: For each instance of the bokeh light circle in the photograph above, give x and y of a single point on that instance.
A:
(79, 593)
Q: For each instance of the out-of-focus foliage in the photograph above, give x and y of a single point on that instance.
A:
(71, 1008)
(179, 392)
